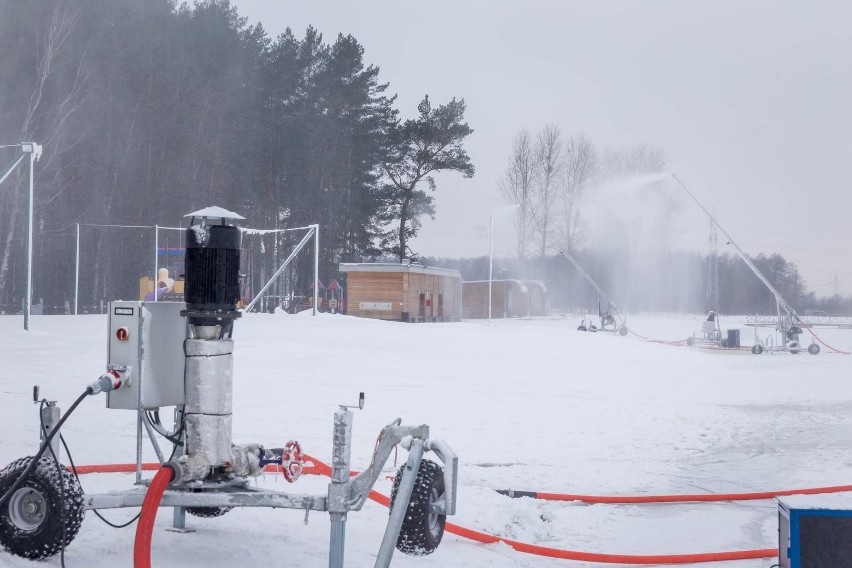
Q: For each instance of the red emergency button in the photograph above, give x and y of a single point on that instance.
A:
(121, 334)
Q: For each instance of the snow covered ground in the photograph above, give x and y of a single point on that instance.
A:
(527, 404)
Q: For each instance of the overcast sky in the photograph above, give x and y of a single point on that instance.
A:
(750, 100)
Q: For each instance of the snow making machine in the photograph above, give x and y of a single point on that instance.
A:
(789, 326)
(180, 355)
(607, 310)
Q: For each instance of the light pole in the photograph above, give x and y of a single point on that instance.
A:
(490, 262)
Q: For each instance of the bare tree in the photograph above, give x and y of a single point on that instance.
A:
(516, 186)
(578, 170)
(548, 174)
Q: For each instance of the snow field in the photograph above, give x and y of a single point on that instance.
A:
(526, 404)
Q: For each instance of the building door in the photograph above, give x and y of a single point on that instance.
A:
(422, 311)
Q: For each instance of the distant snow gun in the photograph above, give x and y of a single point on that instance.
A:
(607, 310)
(167, 354)
(789, 326)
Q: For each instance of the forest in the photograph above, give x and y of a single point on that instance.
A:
(148, 110)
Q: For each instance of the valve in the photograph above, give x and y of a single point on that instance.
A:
(292, 461)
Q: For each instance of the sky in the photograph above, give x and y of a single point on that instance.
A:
(750, 101)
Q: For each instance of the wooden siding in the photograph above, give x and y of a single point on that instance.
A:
(440, 296)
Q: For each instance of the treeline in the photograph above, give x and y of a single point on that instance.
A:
(148, 110)
(680, 284)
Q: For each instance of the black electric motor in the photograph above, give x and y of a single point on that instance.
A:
(212, 287)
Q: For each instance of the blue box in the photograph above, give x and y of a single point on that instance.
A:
(815, 531)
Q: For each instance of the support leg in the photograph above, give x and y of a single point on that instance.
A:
(400, 504)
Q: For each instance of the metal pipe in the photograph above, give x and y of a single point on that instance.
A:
(11, 168)
(29, 300)
(316, 267)
(585, 275)
(296, 250)
(781, 302)
(77, 273)
(400, 504)
(156, 257)
(154, 441)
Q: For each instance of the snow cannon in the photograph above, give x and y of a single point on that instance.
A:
(179, 356)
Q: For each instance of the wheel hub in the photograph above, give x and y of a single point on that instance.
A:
(27, 509)
(434, 526)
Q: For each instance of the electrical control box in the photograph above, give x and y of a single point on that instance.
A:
(814, 531)
(146, 343)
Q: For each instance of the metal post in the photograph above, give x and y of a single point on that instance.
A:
(400, 505)
(338, 489)
(490, 262)
(77, 273)
(316, 267)
(29, 300)
(156, 257)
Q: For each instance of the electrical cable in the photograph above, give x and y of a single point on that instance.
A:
(97, 513)
(44, 445)
(61, 484)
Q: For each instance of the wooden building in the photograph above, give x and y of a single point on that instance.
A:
(509, 299)
(402, 292)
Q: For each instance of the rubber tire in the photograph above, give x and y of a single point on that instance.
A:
(416, 537)
(794, 347)
(207, 512)
(582, 328)
(813, 349)
(757, 349)
(623, 331)
(65, 508)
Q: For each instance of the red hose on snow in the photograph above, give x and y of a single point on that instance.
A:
(145, 528)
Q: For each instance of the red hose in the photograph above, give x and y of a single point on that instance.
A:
(145, 527)
(701, 497)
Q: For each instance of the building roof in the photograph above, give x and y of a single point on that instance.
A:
(394, 267)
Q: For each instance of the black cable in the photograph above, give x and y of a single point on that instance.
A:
(101, 517)
(61, 485)
(44, 445)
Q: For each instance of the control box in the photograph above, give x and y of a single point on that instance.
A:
(146, 340)
(814, 531)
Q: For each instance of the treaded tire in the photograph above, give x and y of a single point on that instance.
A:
(794, 347)
(813, 349)
(622, 331)
(582, 328)
(421, 530)
(208, 512)
(757, 349)
(32, 519)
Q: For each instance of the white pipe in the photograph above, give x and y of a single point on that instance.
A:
(77, 273)
(316, 267)
(29, 299)
(296, 250)
(156, 257)
(12, 167)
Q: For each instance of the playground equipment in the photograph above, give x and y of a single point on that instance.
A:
(163, 354)
(606, 312)
(788, 326)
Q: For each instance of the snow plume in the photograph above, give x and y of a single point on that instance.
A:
(646, 231)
